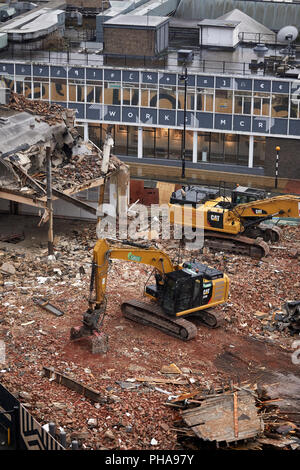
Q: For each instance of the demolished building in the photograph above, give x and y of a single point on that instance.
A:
(27, 129)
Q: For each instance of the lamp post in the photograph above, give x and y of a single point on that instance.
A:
(184, 77)
(276, 166)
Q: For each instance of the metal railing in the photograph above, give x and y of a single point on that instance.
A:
(84, 56)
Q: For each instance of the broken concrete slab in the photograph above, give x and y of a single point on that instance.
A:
(8, 268)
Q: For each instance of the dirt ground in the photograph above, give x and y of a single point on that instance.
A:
(134, 414)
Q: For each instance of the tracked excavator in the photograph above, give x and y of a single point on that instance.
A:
(188, 289)
(233, 222)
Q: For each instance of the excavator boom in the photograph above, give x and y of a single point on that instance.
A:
(284, 206)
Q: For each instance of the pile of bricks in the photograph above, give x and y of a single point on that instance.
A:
(50, 113)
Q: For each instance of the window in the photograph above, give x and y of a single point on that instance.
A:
(112, 93)
(76, 93)
(93, 92)
(58, 90)
(149, 96)
(223, 101)
(130, 94)
(261, 104)
(167, 97)
(280, 106)
(190, 98)
(223, 148)
(40, 90)
(24, 88)
(242, 102)
(259, 151)
(205, 99)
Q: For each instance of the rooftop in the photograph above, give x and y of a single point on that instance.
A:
(219, 23)
(137, 21)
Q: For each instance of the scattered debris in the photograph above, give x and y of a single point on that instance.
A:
(72, 384)
(8, 268)
(12, 238)
(45, 304)
(288, 318)
(154, 406)
(171, 369)
(227, 418)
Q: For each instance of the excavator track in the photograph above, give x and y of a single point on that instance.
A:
(152, 315)
(270, 233)
(254, 247)
(210, 318)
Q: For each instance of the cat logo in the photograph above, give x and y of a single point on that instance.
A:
(206, 292)
(215, 219)
(258, 211)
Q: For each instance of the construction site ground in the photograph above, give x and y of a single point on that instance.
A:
(133, 414)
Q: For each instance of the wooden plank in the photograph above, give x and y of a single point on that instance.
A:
(165, 191)
(72, 384)
(235, 417)
(162, 381)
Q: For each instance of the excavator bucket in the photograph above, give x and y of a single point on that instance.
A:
(96, 342)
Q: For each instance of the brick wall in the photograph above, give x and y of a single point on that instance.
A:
(289, 158)
(127, 41)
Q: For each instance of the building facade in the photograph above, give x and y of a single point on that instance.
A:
(232, 121)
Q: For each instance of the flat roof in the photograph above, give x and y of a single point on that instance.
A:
(137, 21)
(219, 23)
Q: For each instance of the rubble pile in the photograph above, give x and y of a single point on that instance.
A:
(285, 319)
(74, 162)
(83, 166)
(143, 370)
(236, 416)
(50, 113)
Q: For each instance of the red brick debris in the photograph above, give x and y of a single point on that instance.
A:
(134, 414)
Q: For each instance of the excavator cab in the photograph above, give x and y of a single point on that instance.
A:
(181, 291)
(184, 289)
(243, 195)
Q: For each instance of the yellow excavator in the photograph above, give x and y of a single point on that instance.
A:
(233, 222)
(191, 288)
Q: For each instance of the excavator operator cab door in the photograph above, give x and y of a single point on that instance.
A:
(181, 291)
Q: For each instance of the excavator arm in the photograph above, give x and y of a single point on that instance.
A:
(103, 252)
(285, 206)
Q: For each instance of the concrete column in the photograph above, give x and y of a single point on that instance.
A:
(251, 147)
(86, 131)
(140, 142)
(195, 146)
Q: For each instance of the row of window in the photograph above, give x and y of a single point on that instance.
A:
(204, 99)
(212, 147)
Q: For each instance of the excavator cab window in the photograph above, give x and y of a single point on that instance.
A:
(181, 291)
(243, 195)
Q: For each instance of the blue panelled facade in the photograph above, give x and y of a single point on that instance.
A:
(228, 118)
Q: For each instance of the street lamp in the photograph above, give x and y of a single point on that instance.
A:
(276, 166)
(184, 77)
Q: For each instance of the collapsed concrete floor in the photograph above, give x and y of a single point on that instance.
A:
(133, 412)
